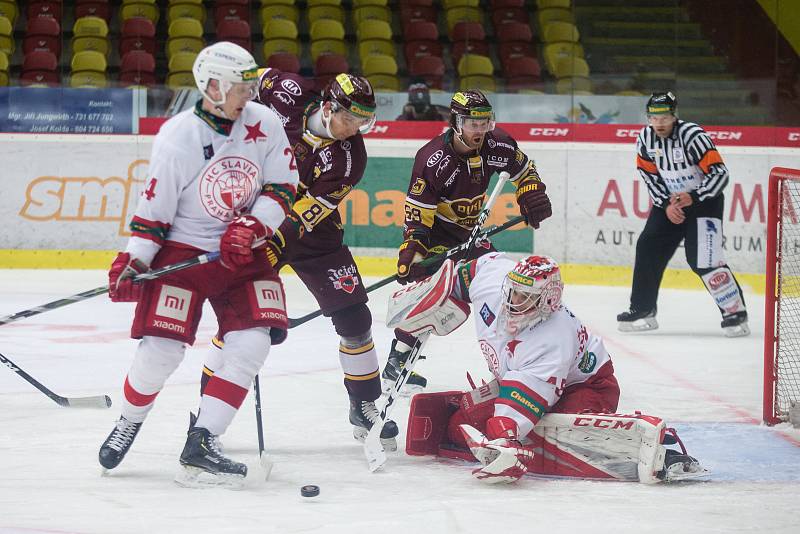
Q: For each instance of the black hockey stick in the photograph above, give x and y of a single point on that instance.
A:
(373, 449)
(427, 261)
(98, 401)
(150, 275)
(263, 458)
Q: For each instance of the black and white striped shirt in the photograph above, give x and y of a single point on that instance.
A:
(686, 161)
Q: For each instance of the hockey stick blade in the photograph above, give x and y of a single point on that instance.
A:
(98, 401)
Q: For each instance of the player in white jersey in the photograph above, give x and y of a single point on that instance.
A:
(544, 360)
(221, 178)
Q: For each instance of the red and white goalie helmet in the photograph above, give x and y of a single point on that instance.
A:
(531, 292)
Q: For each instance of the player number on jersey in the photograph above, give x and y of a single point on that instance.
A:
(312, 214)
(413, 214)
(288, 151)
(150, 191)
(559, 390)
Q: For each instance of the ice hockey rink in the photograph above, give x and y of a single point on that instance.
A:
(687, 372)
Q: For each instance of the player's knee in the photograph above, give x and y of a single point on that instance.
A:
(353, 321)
(161, 353)
(245, 351)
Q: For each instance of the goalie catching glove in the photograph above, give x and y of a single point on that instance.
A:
(236, 244)
(428, 305)
(503, 458)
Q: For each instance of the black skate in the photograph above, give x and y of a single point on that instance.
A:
(415, 382)
(204, 465)
(735, 324)
(363, 415)
(635, 320)
(116, 445)
(679, 466)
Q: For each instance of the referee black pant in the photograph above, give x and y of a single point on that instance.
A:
(660, 239)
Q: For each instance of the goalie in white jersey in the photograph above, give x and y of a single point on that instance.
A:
(545, 361)
(221, 178)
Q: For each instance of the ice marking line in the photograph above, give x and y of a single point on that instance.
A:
(745, 416)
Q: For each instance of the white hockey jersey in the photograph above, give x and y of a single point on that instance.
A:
(201, 177)
(538, 363)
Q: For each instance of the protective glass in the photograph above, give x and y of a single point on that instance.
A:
(243, 90)
(363, 124)
(476, 126)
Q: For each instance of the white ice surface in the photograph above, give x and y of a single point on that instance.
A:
(706, 385)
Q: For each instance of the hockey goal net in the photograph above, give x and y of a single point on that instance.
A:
(782, 297)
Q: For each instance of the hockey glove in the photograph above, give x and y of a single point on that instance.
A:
(287, 234)
(532, 199)
(121, 287)
(236, 245)
(411, 252)
(504, 459)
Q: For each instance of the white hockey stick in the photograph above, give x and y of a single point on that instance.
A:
(373, 449)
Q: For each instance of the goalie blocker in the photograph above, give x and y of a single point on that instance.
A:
(587, 445)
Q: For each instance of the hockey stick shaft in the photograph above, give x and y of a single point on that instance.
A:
(264, 460)
(99, 401)
(427, 261)
(373, 449)
(150, 275)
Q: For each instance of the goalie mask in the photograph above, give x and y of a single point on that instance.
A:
(232, 66)
(471, 117)
(531, 292)
(353, 95)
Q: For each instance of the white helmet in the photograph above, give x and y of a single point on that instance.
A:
(531, 292)
(228, 63)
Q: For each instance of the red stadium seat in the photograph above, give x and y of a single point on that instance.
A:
(505, 15)
(138, 33)
(93, 8)
(138, 68)
(232, 9)
(468, 31)
(422, 39)
(422, 48)
(331, 64)
(515, 31)
(414, 14)
(429, 68)
(45, 8)
(506, 51)
(236, 31)
(43, 34)
(40, 67)
(421, 31)
(284, 62)
(523, 66)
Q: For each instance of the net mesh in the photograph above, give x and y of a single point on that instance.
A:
(787, 359)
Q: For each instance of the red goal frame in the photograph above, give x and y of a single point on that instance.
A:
(776, 210)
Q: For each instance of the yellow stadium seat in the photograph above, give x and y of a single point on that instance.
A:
(185, 35)
(573, 84)
(6, 36)
(473, 64)
(571, 66)
(327, 29)
(270, 13)
(180, 80)
(281, 46)
(375, 47)
(462, 14)
(558, 31)
(486, 84)
(628, 92)
(90, 33)
(546, 16)
(9, 10)
(378, 64)
(384, 82)
(88, 79)
(277, 2)
(316, 13)
(555, 51)
(312, 3)
(186, 9)
(449, 4)
(280, 29)
(88, 69)
(544, 4)
(139, 8)
(3, 69)
(362, 3)
(371, 12)
(180, 70)
(327, 46)
(374, 29)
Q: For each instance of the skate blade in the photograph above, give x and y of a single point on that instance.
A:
(697, 473)
(639, 325)
(194, 477)
(389, 444)
(737, 331)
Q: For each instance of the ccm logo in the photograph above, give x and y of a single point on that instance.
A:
(794, 136)
(725, 135)
(603, 423)
(550, 132)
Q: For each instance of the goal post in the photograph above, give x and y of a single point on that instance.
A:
(782, 296)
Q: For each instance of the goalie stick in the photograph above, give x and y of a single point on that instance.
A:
(427, 261)
(98, 401)
(373, 449)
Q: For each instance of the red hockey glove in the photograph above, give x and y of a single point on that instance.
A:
(504, 460)
(236, 245)
(121, 287)
(533, 202)
(410, 253)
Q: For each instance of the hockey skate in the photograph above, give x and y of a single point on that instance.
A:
(116, 445)
(394, 365)
(679, 467)
(203, 465)
(735, 325)
(363, 415)
(637, 320)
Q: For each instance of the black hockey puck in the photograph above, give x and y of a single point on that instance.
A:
(309, 491)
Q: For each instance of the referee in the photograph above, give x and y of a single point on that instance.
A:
(685, 176)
